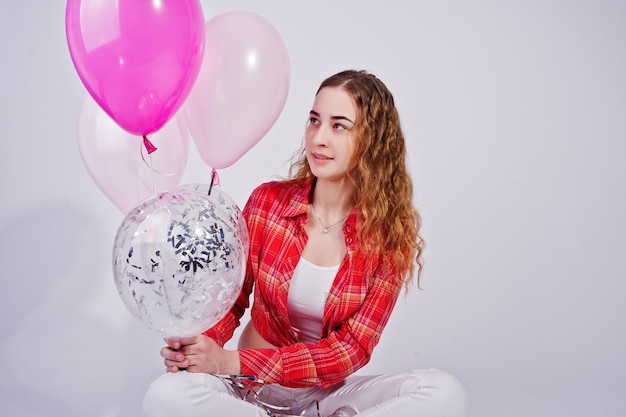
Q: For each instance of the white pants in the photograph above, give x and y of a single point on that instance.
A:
(419, 393)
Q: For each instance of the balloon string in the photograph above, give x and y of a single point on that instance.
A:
(150, 164)
(151, 171)
(215, 180)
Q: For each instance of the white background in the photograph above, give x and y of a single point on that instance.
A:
(515, 117)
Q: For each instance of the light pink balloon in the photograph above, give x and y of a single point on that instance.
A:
(137, 58)
(241, 89)
(119, 163)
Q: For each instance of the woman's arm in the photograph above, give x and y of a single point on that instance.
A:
(346, 349)
(223, 331)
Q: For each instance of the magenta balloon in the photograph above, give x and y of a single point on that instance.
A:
(138, 58)
(241, 89)
(118, 162)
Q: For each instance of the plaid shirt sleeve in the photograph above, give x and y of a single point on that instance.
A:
(343, 351)
(223, 331)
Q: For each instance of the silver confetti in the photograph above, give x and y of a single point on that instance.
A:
(179, 259)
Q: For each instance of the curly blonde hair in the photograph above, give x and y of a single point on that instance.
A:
(383, 187)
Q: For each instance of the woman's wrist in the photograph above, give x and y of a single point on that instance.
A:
(232, 364)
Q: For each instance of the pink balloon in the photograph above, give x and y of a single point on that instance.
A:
(241, 89)
(138, 58)
(119, 163)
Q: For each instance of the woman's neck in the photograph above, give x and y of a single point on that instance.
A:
(333, 199)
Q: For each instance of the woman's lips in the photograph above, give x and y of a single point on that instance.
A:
(320, 157)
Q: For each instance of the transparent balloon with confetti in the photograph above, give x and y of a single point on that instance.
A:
(179, 259)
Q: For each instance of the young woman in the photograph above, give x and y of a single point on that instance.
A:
(331, 249)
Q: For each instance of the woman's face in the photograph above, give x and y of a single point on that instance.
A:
(329, 141)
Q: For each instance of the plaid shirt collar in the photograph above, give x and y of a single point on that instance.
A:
(299, 206)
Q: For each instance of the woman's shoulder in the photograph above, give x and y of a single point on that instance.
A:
(277, 193)
(277, 189)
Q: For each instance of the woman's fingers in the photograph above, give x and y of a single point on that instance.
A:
(173, 369)
(178, 353)
(174, 358)
(190, 340)
(179, 364)
(172, 343)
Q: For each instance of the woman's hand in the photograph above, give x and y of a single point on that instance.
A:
(199, 354)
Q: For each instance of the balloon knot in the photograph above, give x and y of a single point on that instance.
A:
(149, 146)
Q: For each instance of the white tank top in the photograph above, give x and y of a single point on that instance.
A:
(308, 291)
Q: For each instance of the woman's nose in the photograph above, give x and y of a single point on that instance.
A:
(320, 137)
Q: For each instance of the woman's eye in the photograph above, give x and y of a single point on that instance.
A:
(338, 126)
(313, 120)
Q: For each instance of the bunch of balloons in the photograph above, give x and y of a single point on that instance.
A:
(156, 73)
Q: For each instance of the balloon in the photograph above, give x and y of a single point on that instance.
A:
(118, 162)
(138, 59)
(179, 261)
(241, 89)
(224, 201)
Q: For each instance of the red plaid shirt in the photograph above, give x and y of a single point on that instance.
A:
(359, 304)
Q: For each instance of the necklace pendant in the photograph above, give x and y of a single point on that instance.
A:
(325, 230)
